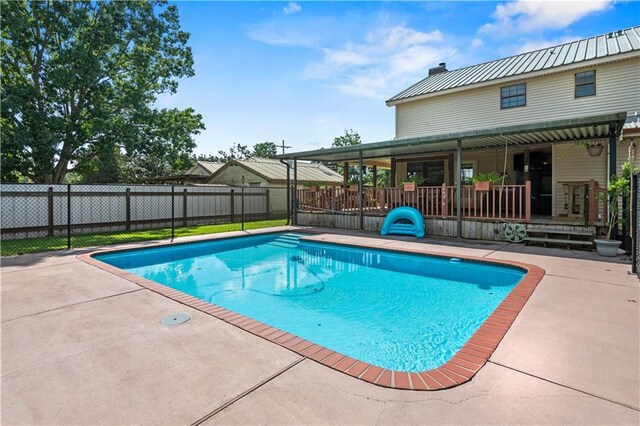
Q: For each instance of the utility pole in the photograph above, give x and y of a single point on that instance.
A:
(283, 146)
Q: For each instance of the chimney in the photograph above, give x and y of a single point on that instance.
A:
(442, 67)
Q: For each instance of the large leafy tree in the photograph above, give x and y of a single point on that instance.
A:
(349, 138)
(79, 84)
(265, 150)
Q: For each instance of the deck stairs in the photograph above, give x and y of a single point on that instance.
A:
(568, 236)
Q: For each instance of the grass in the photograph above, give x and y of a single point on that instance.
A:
(37, 245)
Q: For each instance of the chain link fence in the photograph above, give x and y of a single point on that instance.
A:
(42, 217)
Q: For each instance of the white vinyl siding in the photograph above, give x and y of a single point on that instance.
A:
(572, 163)
(550, 97)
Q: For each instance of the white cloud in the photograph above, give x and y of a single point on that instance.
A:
(526, 16)
(385, 61)
(292, 7)
(476, 42)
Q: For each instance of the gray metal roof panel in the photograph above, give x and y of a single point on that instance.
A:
(601, 46)
(274, 170)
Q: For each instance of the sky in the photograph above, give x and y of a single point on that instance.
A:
(304, 72)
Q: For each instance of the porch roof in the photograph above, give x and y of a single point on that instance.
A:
(575, 129)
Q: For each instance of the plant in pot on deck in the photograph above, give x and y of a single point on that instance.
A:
(618, 188)
(483, 181)
(410, 183)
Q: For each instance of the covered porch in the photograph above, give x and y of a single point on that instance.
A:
(442, 166)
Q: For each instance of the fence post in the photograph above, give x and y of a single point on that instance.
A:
(50, 210)
(634, 224)
(242, 208)
(68, 216)
(232, 210)
(173, 213)
(127, 199)
(267, 204)
(184, 207)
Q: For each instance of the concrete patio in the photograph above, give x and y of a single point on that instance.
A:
(82, 346)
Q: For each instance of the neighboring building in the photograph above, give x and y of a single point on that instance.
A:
(529, 117)
(265, 172)
(199, 173)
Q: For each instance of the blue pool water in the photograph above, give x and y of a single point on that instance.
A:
(397, 311)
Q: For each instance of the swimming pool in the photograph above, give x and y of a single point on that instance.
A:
(398, 312)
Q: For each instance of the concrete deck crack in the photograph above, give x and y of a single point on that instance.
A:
(72, 304)
(496, 250)
(567, 386)
(247, 392)
(591, 281)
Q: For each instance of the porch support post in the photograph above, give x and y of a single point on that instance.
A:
(612, 164)
(392, 182)
(295, 192)
(345, 174)
(374, 172)
(458, 181)
(527, 201)
(452, 179)
(525, 161)
(360, 190)
(612, 150)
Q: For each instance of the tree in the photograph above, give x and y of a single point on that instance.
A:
(349, 138)
(265, 150)
(80, 79)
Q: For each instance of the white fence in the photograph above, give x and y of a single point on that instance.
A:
(35, 210)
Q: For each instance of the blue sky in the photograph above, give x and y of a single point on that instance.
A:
(304, 72)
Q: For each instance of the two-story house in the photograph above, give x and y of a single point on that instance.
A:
(550, 123)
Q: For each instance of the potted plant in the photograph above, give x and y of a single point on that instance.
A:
(483, 181)
(618, 188)
(313, 186)
(411, 183)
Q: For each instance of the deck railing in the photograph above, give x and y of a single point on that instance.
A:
(500, 202)
(597, 203)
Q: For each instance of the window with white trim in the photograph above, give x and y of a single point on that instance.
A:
(513, 96)
(586, 83)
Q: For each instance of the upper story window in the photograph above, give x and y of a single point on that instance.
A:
(513, 96)
(585, 83)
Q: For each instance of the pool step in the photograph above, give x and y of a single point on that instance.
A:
(285, 241)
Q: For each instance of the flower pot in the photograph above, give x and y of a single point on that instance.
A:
(607, 248)
(409, 186)
(313, 188)
(353, 188)
(595, 150)
(482, 185)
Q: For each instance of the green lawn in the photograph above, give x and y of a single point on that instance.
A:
(36, 245)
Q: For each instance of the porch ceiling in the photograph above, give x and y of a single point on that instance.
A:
(583, 128)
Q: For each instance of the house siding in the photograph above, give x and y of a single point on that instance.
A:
(549, 97)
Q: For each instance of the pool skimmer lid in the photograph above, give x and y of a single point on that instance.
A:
(175, 319)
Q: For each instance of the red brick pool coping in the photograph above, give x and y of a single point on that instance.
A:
(458, 370)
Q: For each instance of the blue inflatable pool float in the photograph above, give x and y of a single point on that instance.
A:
(403, 221)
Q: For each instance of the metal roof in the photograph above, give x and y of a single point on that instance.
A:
(275, 171)
(575, 129)
(210, 166)
(598, 47)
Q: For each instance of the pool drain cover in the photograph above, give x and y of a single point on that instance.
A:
(175, 319)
